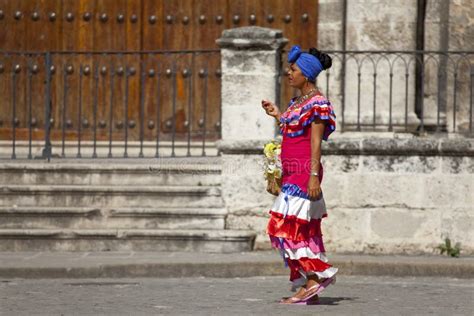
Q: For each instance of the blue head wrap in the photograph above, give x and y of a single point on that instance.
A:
(310, 65)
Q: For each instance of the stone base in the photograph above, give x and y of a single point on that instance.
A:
(384, 195)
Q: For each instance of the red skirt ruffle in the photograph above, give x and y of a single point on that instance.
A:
(292, 227)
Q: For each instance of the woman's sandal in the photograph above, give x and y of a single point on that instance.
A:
(317, 289)
(293, 299)
(311, 294)
(314, 300)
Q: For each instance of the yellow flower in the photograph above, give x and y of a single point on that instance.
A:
(269, 148)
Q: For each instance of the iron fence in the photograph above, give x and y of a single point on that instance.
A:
(110, 104)
(167, 103)
(401, 91)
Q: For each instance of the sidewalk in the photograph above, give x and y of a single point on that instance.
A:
(34, 265)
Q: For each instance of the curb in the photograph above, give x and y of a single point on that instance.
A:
(347, 265)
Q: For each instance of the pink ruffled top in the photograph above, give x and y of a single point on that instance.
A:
(299, 116)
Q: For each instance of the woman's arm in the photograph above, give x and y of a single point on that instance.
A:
(317, 131)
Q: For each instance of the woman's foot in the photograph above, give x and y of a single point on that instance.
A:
(295, 298)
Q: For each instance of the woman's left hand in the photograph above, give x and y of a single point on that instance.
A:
(314, 188)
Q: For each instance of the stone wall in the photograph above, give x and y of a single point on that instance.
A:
(384, 194)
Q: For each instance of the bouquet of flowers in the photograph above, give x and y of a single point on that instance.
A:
(272, 165)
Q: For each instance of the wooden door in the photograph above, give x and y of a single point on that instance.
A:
(117, 95)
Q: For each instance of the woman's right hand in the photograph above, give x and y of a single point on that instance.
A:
(270, 108)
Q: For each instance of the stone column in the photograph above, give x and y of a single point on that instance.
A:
(251, 58)
(378, 25)
(330, 38)
(250, 67)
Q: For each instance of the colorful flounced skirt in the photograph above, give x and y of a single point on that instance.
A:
(295, 221)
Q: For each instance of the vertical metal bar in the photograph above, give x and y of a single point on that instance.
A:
(142, 106)
(358, 99)
(390, 110)
(103, 111)
(190, 106)
(444, 35)
(420, 47)
(438, 110)
(14, 113)
(125, 125)
(343, 66)
(219, 82)
(79, 113)
(30, 130)
(375, 100)
(158, 116)
(454, 98)
(64, 108)
(174, 109)
(406, 99)
(47, 151)
(204, 102)
(94, 109)
(422, 93)
(470, 97)
(111, 111)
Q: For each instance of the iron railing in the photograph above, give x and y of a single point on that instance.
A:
(167, 103)
(404, 91)
(110, 104)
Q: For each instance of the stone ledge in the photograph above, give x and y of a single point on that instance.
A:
(252, 38)
(429, 146)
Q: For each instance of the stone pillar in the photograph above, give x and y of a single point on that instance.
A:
(461, 38)
(445, 30)
(251, 58)
(435, 65)
(250, 67)
(330, 38)
(382, 25)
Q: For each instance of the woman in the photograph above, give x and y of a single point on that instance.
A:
(295, 223)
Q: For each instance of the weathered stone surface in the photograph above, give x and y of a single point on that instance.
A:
(243, 183)
(461, 25)
(342, 163)
(251, 146)
(343, 225)
(381, 25)
(462, 146)
(145, 173)
(388, 146)
(252, 37)
(457, 224)
(259, 62)
(400, 164)
(456, 165)
(393, 195)
(250, 55)
(126, 240)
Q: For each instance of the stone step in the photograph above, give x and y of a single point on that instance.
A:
(102, 149)
(34, 217)
(112, 196)
(125, 240)
(178, 171)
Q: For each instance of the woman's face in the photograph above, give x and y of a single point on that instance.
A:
(295, 76)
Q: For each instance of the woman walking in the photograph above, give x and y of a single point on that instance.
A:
(295, 223)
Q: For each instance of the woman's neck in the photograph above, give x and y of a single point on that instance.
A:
(308, 89)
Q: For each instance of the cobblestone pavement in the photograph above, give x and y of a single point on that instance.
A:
(352, 295)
